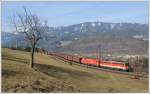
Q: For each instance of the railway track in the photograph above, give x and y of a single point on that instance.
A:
(94, 67)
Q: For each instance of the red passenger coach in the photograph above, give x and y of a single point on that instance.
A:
(77, 59)
(90, 61)
(69, 57)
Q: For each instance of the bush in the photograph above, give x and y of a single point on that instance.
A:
(139, 64)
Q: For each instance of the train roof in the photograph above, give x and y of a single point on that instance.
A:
(114, 61)
(111, 61)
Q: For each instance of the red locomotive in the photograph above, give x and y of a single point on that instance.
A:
(94, 62)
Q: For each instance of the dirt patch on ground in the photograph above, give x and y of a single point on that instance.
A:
(37, 86)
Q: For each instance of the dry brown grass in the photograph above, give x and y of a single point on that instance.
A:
(52, 75)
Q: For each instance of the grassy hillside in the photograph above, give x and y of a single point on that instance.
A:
(53, 75)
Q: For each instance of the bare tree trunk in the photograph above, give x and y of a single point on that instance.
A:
(32, 27)
(32, 57)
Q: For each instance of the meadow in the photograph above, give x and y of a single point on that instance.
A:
(51, 74)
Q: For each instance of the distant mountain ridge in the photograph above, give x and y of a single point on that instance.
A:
(87, 28)
(56, 36)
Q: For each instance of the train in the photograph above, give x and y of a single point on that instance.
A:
(122, 66)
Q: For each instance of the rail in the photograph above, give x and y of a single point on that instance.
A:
(96, 67)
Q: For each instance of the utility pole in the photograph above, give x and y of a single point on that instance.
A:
(99, 54)
(71, 54)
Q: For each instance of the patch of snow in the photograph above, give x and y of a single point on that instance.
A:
(16, 33)
(76, 38)
(64, 43)
(66, 32)
(82, 28)
(112, 26)
(93, 24)
(145, 39)
(108, 54)
(76, 54)
(138, 36)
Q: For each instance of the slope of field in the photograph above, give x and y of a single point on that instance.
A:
(53, 75)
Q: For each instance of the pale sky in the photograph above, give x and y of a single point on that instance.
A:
(68, 13)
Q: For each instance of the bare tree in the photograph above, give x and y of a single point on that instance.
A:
(32, 27)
